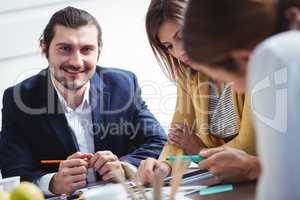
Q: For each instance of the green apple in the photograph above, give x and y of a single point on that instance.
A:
(4, 195)
(26, 191)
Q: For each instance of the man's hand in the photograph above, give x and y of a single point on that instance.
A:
(71, 174)
(147, 168)
(229, 164)
(104, 162)
(185, 138)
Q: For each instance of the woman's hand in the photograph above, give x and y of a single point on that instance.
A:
(229, 164)
(185, 138)
(147, 168)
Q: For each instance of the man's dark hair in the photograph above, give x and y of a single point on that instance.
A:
(69, 17)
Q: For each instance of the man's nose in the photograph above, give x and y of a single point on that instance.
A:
(76, 60)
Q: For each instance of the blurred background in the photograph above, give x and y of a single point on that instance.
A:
(124, 37)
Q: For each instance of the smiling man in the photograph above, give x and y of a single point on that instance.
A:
(91, 118)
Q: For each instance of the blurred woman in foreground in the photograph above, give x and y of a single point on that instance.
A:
(232, 39)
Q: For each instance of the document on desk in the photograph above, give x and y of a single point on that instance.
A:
(193, 166)
(79, 192)
(180, 194)
(117, 192)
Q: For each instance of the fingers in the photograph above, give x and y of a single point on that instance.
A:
(205, 164)
(108, 168)
(88, 156)
(74, 163)
(175, 130)
(75, 155)
(214, 164)
(99, 155)
(104, 162)
(218, 176)
(71, 176)
(209, 162)
(176, 136)
(175, 140)
(77, 185)
(181, 130)
(77, 170)
(177, 125)
(68, 172)
(162, 169)
(77, 178)
(108, 176)
(209, 152)
(177, 133)
(80, 155)
(101, 158)
(146, 169)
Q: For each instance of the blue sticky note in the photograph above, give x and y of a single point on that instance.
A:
(216, 189)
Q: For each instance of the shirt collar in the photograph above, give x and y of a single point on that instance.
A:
(84, 104)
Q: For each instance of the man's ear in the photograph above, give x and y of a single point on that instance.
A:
(99, 52)
(43, 46)
(292, 14)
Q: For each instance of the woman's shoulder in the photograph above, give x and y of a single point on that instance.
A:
(190, 76)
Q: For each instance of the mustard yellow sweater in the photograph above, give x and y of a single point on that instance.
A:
(192, 106)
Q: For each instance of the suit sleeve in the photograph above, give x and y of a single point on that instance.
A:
(15, 153)
(150, 137)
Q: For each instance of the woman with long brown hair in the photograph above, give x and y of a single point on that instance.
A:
(208, 113)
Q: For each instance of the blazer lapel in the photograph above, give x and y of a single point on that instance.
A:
(99, 97)
(60, 126)
(56, 117)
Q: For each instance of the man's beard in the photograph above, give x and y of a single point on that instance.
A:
(70, 85)
(74, 85)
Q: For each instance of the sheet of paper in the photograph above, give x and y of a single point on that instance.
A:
(180, 195)
(116, 192)
(193, 166)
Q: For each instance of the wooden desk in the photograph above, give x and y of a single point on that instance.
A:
(241, 191)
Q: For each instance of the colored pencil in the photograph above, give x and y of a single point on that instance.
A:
(51, 161)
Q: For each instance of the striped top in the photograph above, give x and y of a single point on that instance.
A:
(222, 118)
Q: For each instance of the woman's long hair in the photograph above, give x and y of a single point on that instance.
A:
(159, 12)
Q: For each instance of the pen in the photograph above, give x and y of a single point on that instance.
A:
(194, 158)
(57, 161)
(51, 161)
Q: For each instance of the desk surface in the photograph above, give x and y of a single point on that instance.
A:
(245, 191)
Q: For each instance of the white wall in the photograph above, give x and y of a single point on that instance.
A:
(124, 37)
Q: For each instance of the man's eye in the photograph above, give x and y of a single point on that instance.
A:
(65, 49)
(87, 49)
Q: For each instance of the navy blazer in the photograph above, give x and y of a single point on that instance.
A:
(34, 127)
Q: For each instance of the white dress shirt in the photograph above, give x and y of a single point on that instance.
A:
(274, 81)
(80, 122)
